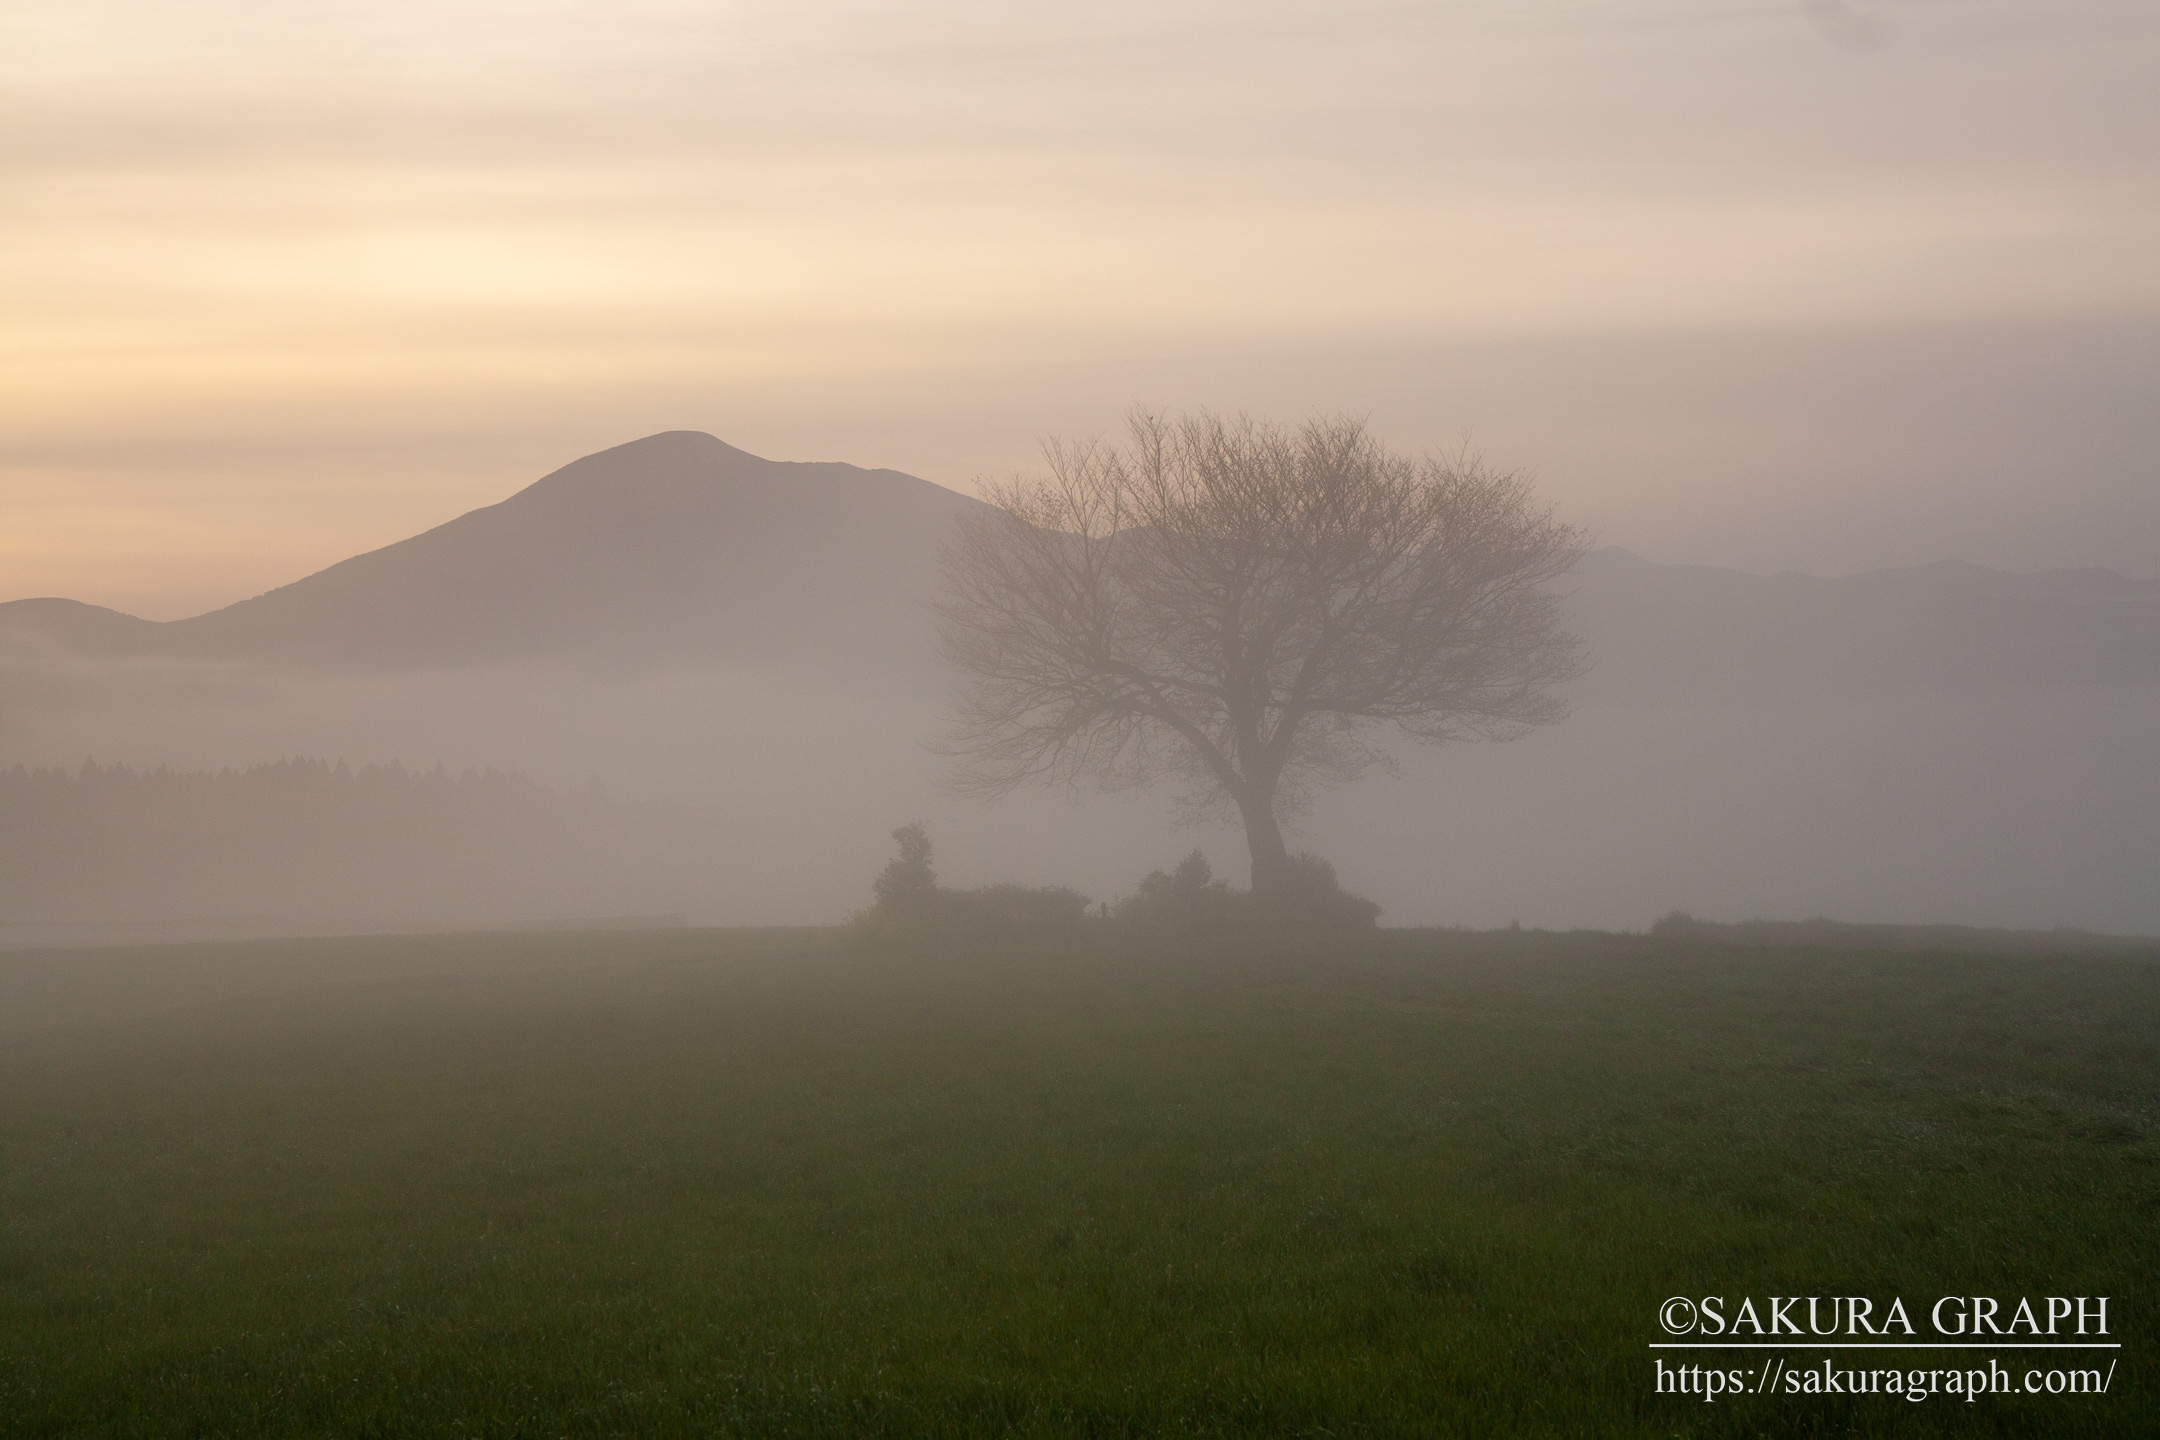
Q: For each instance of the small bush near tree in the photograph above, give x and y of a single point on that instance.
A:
(1189, 895)
(1307, 897)
(1011, 908)
(907, 900)
(905, 893)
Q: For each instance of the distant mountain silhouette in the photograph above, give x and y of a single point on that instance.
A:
(299, 845)
(681, 550)
(1696, 631)
(71, 627)
(676, 548)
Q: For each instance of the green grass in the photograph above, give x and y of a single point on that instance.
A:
(773, 1183)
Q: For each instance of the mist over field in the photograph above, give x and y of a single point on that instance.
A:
(720, 672)
(1242, 718)
(1858, 291)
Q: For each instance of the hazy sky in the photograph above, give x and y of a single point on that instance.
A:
(1765, 284)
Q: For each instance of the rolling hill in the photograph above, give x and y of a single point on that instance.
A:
(674, 549)
(747, 640)
(679, 550)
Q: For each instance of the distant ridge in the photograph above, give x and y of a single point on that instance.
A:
(1671, 631)
(71, 627)
(681, 550)
(296, 846)
(677, 547)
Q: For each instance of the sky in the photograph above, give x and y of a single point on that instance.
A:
(1772, 285)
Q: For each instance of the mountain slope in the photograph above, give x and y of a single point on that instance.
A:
(676, 548)
(681, 551)
(69, 627)
(1668, 632)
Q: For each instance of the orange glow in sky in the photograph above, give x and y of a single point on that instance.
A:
(282, 283)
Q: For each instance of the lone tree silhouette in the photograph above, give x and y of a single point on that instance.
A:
(1242, 607)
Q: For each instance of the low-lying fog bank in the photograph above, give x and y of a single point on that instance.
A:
(764, 801)
(739, 653)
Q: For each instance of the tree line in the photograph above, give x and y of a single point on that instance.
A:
(308, 837)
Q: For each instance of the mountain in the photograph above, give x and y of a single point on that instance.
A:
(673, 549)
(1663, 632)
(697, 627)
(679, 550)
(73, 628)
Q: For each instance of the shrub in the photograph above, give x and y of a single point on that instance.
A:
(1676, 924)
(907, 900)
(1020, 909)
(1309, 897)
(1190, 897)
(906, 892)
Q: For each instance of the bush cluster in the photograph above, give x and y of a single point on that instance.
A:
(1187, 897)
(907, 900)
(1307, 897)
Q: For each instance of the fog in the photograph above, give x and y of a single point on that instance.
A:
(1942, 744)
(2028, 810)
(711, 714)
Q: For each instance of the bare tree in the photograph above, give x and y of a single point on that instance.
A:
(1243, 607)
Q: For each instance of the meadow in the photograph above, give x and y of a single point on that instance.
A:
(799, 1183)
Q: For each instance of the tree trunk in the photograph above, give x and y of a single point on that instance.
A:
(1264, 836)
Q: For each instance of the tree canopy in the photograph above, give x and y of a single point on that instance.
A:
(1247, 609)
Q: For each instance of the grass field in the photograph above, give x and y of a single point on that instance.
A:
(717, 1183)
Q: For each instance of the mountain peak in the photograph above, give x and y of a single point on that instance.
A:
(675, 544)
(70, 625)
(687, 442)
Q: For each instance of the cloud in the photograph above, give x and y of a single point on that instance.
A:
(344, 219)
